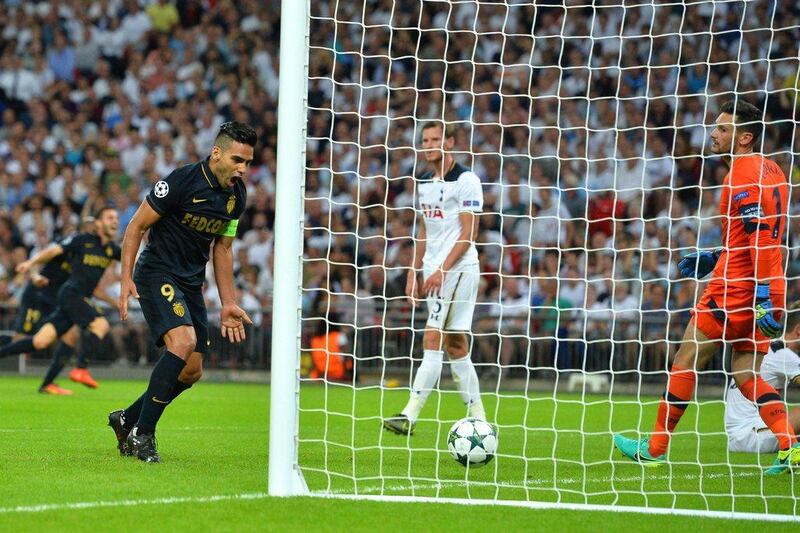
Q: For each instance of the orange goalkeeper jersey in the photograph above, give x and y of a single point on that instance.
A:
(753, 208)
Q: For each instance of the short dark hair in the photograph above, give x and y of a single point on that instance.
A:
(236, 131)
(746, 116)
(99, 212)
(448, 129)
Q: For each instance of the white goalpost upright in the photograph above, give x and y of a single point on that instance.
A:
(285, 477)
(587, 123)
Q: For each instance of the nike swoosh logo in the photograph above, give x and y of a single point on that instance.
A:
(159, 401)
(198, 200)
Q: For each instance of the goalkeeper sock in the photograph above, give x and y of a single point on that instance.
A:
(427, 375)
(467, 381)
(680, 390)
(772, 410)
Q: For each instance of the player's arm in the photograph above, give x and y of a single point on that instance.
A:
(232, 317)
(100, 291)
(468, 235)
(412, 278)
(470, 201)
(36, 278)
(142, 220)
(44, 256)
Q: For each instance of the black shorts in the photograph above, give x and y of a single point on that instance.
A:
(167, 305)
(35, 306)
(73, 308)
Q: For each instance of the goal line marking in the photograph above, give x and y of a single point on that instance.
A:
(41, 508)
(570, 507)
(536, 482)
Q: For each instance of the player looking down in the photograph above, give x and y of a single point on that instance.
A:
(450, 196)
(191, 214)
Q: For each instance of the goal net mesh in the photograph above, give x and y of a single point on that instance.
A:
(589, 129)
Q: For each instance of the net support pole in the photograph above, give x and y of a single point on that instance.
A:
(285, 478)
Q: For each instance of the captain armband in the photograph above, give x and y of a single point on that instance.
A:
(229, 230)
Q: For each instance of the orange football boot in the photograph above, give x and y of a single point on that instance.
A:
(55, 390)
(82, 375)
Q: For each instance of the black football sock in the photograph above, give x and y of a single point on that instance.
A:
(5, 339)
(131, 414)
(91, 347)
(180, 386)
(159, 391)
(21, 346)
(61, 355)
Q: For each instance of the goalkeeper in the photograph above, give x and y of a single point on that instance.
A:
(780, 367)
(450, 197)
(744, 298)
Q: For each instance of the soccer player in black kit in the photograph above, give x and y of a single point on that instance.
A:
(37, 303)
(191, 214)
(89, 254)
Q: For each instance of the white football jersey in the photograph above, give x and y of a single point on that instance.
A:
(778, 368)
(440, 200)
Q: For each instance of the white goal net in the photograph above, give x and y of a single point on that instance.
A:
(588, 125)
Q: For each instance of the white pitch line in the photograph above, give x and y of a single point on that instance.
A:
(41, 508)
(734, 515)
(534, 482)
(103, 429)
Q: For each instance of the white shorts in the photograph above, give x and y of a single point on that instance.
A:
(752, 439)
(453, 307)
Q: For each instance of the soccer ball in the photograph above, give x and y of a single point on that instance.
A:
(472, 442)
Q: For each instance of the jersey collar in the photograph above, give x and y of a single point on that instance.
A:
(210, 177)
(451, 175)
(455, 171)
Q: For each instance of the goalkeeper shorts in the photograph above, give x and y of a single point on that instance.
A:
(729, 317)
(453, 307)
(752, 439)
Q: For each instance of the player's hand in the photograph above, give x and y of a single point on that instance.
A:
(765, 321)
(412, 288)
(127, 288)
(434, 283)
(39, 281)
(698, 264)
(232, 319)
(23, 267)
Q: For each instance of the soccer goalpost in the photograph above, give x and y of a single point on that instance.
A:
(588, 127)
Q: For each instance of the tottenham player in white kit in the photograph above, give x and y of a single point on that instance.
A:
(450, 197)
(780, 367)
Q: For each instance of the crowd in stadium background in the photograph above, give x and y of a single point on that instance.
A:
(101, 99)
(568, 128)
(99, 102)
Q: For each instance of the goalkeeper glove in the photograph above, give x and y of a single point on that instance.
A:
(698, 264)
(764, 318)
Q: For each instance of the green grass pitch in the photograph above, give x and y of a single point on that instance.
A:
(59, 469)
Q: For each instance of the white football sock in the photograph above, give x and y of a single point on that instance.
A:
(467, 380)
(427, 375)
